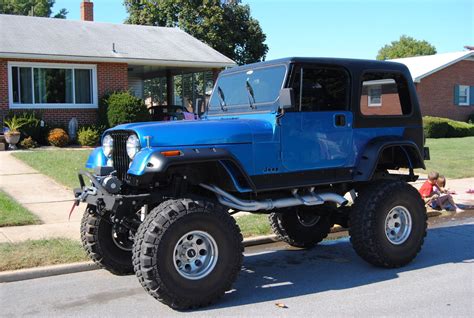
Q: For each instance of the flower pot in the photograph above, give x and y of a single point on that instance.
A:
(12, 138)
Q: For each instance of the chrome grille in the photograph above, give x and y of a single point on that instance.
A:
(119, 153)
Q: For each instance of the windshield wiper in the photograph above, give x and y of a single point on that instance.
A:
(220, 93)
(251, 94)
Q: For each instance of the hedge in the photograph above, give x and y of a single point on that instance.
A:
(437, 127)
(123, 107)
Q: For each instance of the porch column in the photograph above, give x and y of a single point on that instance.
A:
(169, 88)
(215, 73)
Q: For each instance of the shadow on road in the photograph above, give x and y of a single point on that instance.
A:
(335, 266)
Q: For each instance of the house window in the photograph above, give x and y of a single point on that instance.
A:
(374, 96)
(384, 94)
(463, 92)
(44, 85)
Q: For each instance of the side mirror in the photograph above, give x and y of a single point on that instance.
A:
(286, 98)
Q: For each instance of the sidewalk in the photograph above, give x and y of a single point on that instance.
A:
(51, 201)
(41, 195)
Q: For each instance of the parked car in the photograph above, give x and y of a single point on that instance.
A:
(288, 138)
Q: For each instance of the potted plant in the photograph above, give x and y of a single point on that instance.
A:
(12, 136)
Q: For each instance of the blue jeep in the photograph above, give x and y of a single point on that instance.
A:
(295, 138)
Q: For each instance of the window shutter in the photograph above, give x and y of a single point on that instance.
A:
(471, 95)
(456, 94)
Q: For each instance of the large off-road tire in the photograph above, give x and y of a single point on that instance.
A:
(105, 250)
(388, 223)
(187, 253)
(301, 226)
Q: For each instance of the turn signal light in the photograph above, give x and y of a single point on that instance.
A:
(171, 153)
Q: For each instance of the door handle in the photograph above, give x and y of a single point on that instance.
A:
(340, 120)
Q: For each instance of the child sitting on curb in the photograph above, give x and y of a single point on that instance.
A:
(427, 189)
(445, 199)
(435, 195)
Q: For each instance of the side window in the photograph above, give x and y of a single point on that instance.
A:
(384, 94)
(321, 89)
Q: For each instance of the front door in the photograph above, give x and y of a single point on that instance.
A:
(317, 134)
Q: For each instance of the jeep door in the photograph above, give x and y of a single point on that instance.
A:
(317, 133)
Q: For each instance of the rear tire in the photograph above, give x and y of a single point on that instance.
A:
(100, 245)
(187, 253)
(301, 226)
(388, 223)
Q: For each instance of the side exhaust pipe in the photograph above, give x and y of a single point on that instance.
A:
(308, 199)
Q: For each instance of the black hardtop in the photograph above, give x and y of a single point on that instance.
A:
(350, 64)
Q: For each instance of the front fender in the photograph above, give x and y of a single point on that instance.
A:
(153, 160)
(96, 159)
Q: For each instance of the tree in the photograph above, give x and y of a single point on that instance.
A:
(226, 26)
(38, 8)
(406, 46)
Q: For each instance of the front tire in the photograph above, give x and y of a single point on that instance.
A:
(187, 253)
(301, 226)
(107, 249)
(388, 223)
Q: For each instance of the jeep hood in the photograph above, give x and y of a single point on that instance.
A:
(200, 132)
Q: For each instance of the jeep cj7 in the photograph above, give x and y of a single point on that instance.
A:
(289, 138)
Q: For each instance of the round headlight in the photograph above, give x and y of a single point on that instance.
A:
(133, 146)
(107, 145)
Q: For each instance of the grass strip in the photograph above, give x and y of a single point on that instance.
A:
(13, 213)
(36, 253)
(62, 165)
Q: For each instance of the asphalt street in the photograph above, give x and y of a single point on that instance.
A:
(329, 280)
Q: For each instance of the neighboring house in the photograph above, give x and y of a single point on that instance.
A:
(62, 68)
(444, 83)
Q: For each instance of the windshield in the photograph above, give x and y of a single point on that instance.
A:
(248, 90)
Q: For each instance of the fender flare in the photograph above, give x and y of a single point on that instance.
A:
(156, 162)
(370, 157)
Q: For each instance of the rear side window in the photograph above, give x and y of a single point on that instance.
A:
(384, 94)
(321, 89)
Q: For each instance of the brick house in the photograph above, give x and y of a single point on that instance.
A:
(444, 83)
(62, 68)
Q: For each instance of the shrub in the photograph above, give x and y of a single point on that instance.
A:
(28, 143)
(58, 137)
(460, 129)
(32, 125)
(88, 136)
(470, 119)
(437, 127)
(123, 107)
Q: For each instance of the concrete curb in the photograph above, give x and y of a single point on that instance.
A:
(53, 270)
(259, 240)
(46, 271)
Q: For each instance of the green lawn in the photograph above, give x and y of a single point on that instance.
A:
(12, 213)
(40, 253)
(254, 225)
(452, 157)
(61, 165)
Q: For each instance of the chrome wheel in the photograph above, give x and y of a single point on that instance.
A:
(195, 255)
(398, 225)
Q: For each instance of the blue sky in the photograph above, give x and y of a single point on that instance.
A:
(339, 28)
